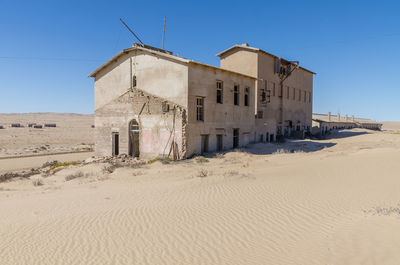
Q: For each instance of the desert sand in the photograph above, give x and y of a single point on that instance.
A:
(73, 133)
(333, 201)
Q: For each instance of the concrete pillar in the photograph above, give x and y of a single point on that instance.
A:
(352, 118)
(347, 117)
(329, 116)
(338, 117)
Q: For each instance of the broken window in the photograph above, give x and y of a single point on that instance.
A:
(236, 94)
(219, 91)
(200, 108)
(246, 96)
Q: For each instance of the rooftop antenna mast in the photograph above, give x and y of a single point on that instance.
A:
(132, 32)
(163, 35)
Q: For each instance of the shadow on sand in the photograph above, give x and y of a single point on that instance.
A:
(343, 134)
(290, 146)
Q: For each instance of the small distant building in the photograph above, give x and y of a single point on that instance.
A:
(324, 123)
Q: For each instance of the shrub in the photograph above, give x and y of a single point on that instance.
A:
(37, 182)
(75, 175)
(202, 173)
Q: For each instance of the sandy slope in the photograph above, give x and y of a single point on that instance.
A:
(328, 206)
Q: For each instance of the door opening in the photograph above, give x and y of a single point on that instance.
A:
(220, 143)
(134, 139)
(115, 143)
(204, 144)
(235, 138)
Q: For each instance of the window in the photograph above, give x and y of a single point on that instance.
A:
(165, 107)
(299, 95)
(260, 114)
(200, 108)
(236, 94)
(134, 81)
(294, 93)
(309, 97)
(246, 96)
(219, 91)
(305, 93)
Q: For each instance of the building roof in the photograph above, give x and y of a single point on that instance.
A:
(334, 119)
(247, 47)
(161, 53)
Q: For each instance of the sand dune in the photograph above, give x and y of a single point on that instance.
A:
(334, 201)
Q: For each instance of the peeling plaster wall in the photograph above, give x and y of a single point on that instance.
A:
(157, 129)
(218, 118)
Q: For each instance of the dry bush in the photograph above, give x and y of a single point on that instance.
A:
(201, 159)
(231, 173)
(37, 182)
(219, 155)
(75, 175)
(202, 173)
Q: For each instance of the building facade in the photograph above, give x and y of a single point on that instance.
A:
(283, 91)
(325, 123)
(149, 102)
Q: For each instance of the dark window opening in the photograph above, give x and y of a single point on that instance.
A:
(219, 92)
(236, 95)
(246, 96)
(134, 81)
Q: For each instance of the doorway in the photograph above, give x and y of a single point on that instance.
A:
(235, 138)
(204, 144)
(220, 143)
(115, 143)
(134, 139)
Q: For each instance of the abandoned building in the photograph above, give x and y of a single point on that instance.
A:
(325, 123)
(149, 102)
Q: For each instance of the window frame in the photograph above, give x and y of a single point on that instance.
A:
(200, 109)
(220, 90)
(236, 95)
(246, 96)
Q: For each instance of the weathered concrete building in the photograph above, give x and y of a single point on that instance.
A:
(283, 91)
(149, 102)
(325, 123)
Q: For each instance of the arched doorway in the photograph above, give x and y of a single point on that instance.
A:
(134, 138)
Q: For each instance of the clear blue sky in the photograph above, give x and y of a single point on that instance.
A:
(47, 48)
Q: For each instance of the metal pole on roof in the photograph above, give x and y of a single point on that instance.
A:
(163, 35)
(131, 31)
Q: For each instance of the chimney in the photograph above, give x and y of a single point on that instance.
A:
(329, 116)
(352, 118)
(347, 117)
(338, 117)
